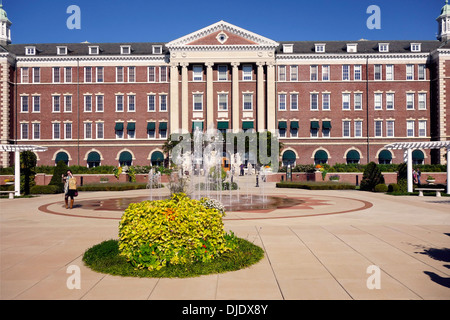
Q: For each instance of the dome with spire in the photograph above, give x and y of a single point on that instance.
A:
(3, 15)
(445, 9)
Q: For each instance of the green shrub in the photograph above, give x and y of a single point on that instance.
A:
(371, 177)
(316, 185)
(393, 187)
(179, 230)
(60, 170)
(50, 189)
(381, 188)
(112, 186)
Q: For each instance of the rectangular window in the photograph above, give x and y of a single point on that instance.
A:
(294, 101)
(198, 102)
(346, 129)
(36, 131)
(346, 101)
(56, 74)
(248, 101)
(36, 104)
(197, 73)
(378, 128)
(100, 130)
(88, 74)
(378, 101)
(222, 72)
(282, 102)
(325, 101)
(131, 74)
(281, 73)
(314, 101)
(345, 72)
(358, 72)
(88, 103)
(100, 75)
(68, 131)
(119, 133)
(162, 133)
(119, 74)
(25, 75)
(119, 103)
(313, 73)
(389, 101)
(24, 131)
(410, 101)
(377, 75)
(410, 128)
(88, 130)
(358, 101)
(247, 72)
(68, 75)
(24, 104)
(389, 72)
(151, 74)
(56, 131)
(163, 74)
(100, 103)
(223, 101)
(422, 101)
(294, 73)
(131, 103)
(151, 102)
(422, 72)
(422, 128)
(36, 75)
(131, 133)
(56, 103)
(390, 129)
(163, 102)
(325, 73)
(410, 72)
(358, 128)
(67, 103)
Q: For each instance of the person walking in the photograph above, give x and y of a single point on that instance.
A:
(70, 188)
(418, 176)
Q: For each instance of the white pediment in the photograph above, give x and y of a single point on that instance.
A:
(222, 34)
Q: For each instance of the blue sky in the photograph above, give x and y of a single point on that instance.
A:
(44, 21)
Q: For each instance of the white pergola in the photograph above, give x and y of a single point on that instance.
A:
(410, 146)
(17, 149)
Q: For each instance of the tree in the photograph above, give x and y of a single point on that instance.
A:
(371, 177)
(27, 171)
(60, 169)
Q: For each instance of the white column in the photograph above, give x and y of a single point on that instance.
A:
(174, 105)
(235, 96)
(448, 170)
(261, 107)
(271, 97)
(17, 173)
(184, 97)
(209, 96)
(409, 169)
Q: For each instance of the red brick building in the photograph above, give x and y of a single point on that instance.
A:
(331, 101)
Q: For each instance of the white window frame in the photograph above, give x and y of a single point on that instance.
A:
(197, 102)
(390, 72)
(68, 103)
(378, 128)
(390, 128)
(30, 51)
(378, 101)
(390, 101)
(409, 72)
(346, 101)
(56, 103)
(151, 107)
(100, 71)
(222, 72)
(133, 135)
(88, 74)
(358, 128)
(94, 50)
(326, 72)
(357, 72)
(120, 75)
(99, 97)
(125, 49)
(131, 74)
(346, 128)
(380, 72)
(61, 51)
(56, 125)
(311, 100)
(357, 106)
(410, 97)
(247, 72)
(36, 74)
(118, 97)
(245, 97)
(422, 128)
(56, 75)
(293, 71)
(282, 76)
(197, 73)
(282, 101)
(131, 103)
(346, 72)
(422, 72)
(163, 102)
(24, 128)
(86, 127)
(157, 49)
(24, 75)
(67, 74)
(99, 130)
(68, 133)
(314, 73)
(294, 101)
(88, 104)
(151, 73)
(222, 101)
(36, 99)
(410, 124)
(383, 47)
(422, 101)
(416, 47)
(36, 133)
(163, 74)
(23, 99)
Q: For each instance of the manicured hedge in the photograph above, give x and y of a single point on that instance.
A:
(112, 186)
(50, 189)
(316, 185)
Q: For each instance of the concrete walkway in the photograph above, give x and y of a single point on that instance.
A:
(313, 254)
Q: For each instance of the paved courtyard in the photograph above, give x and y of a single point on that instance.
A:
(335, 245)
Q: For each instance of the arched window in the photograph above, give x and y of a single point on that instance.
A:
(62, 156)
(417, 157)
(157, 158)
(93, 159)
(385, 157)
(125, 159)
(353, 156)
(320, 157)
(289, 158)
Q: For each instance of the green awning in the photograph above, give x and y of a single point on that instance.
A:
(163, 126)
(294, 125)
(247, 125)
(221, 125)
(197, 124)
(385, 155)
(418, 155)
(157, 156)
(131, 126)
(321, 155)
(282, 124)
(326, 124)
(119, 126)
(125, 157)
(151, 126)
(289, 155)
(93, 157)
(315, 125)
(62, 156)
(353, 155)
